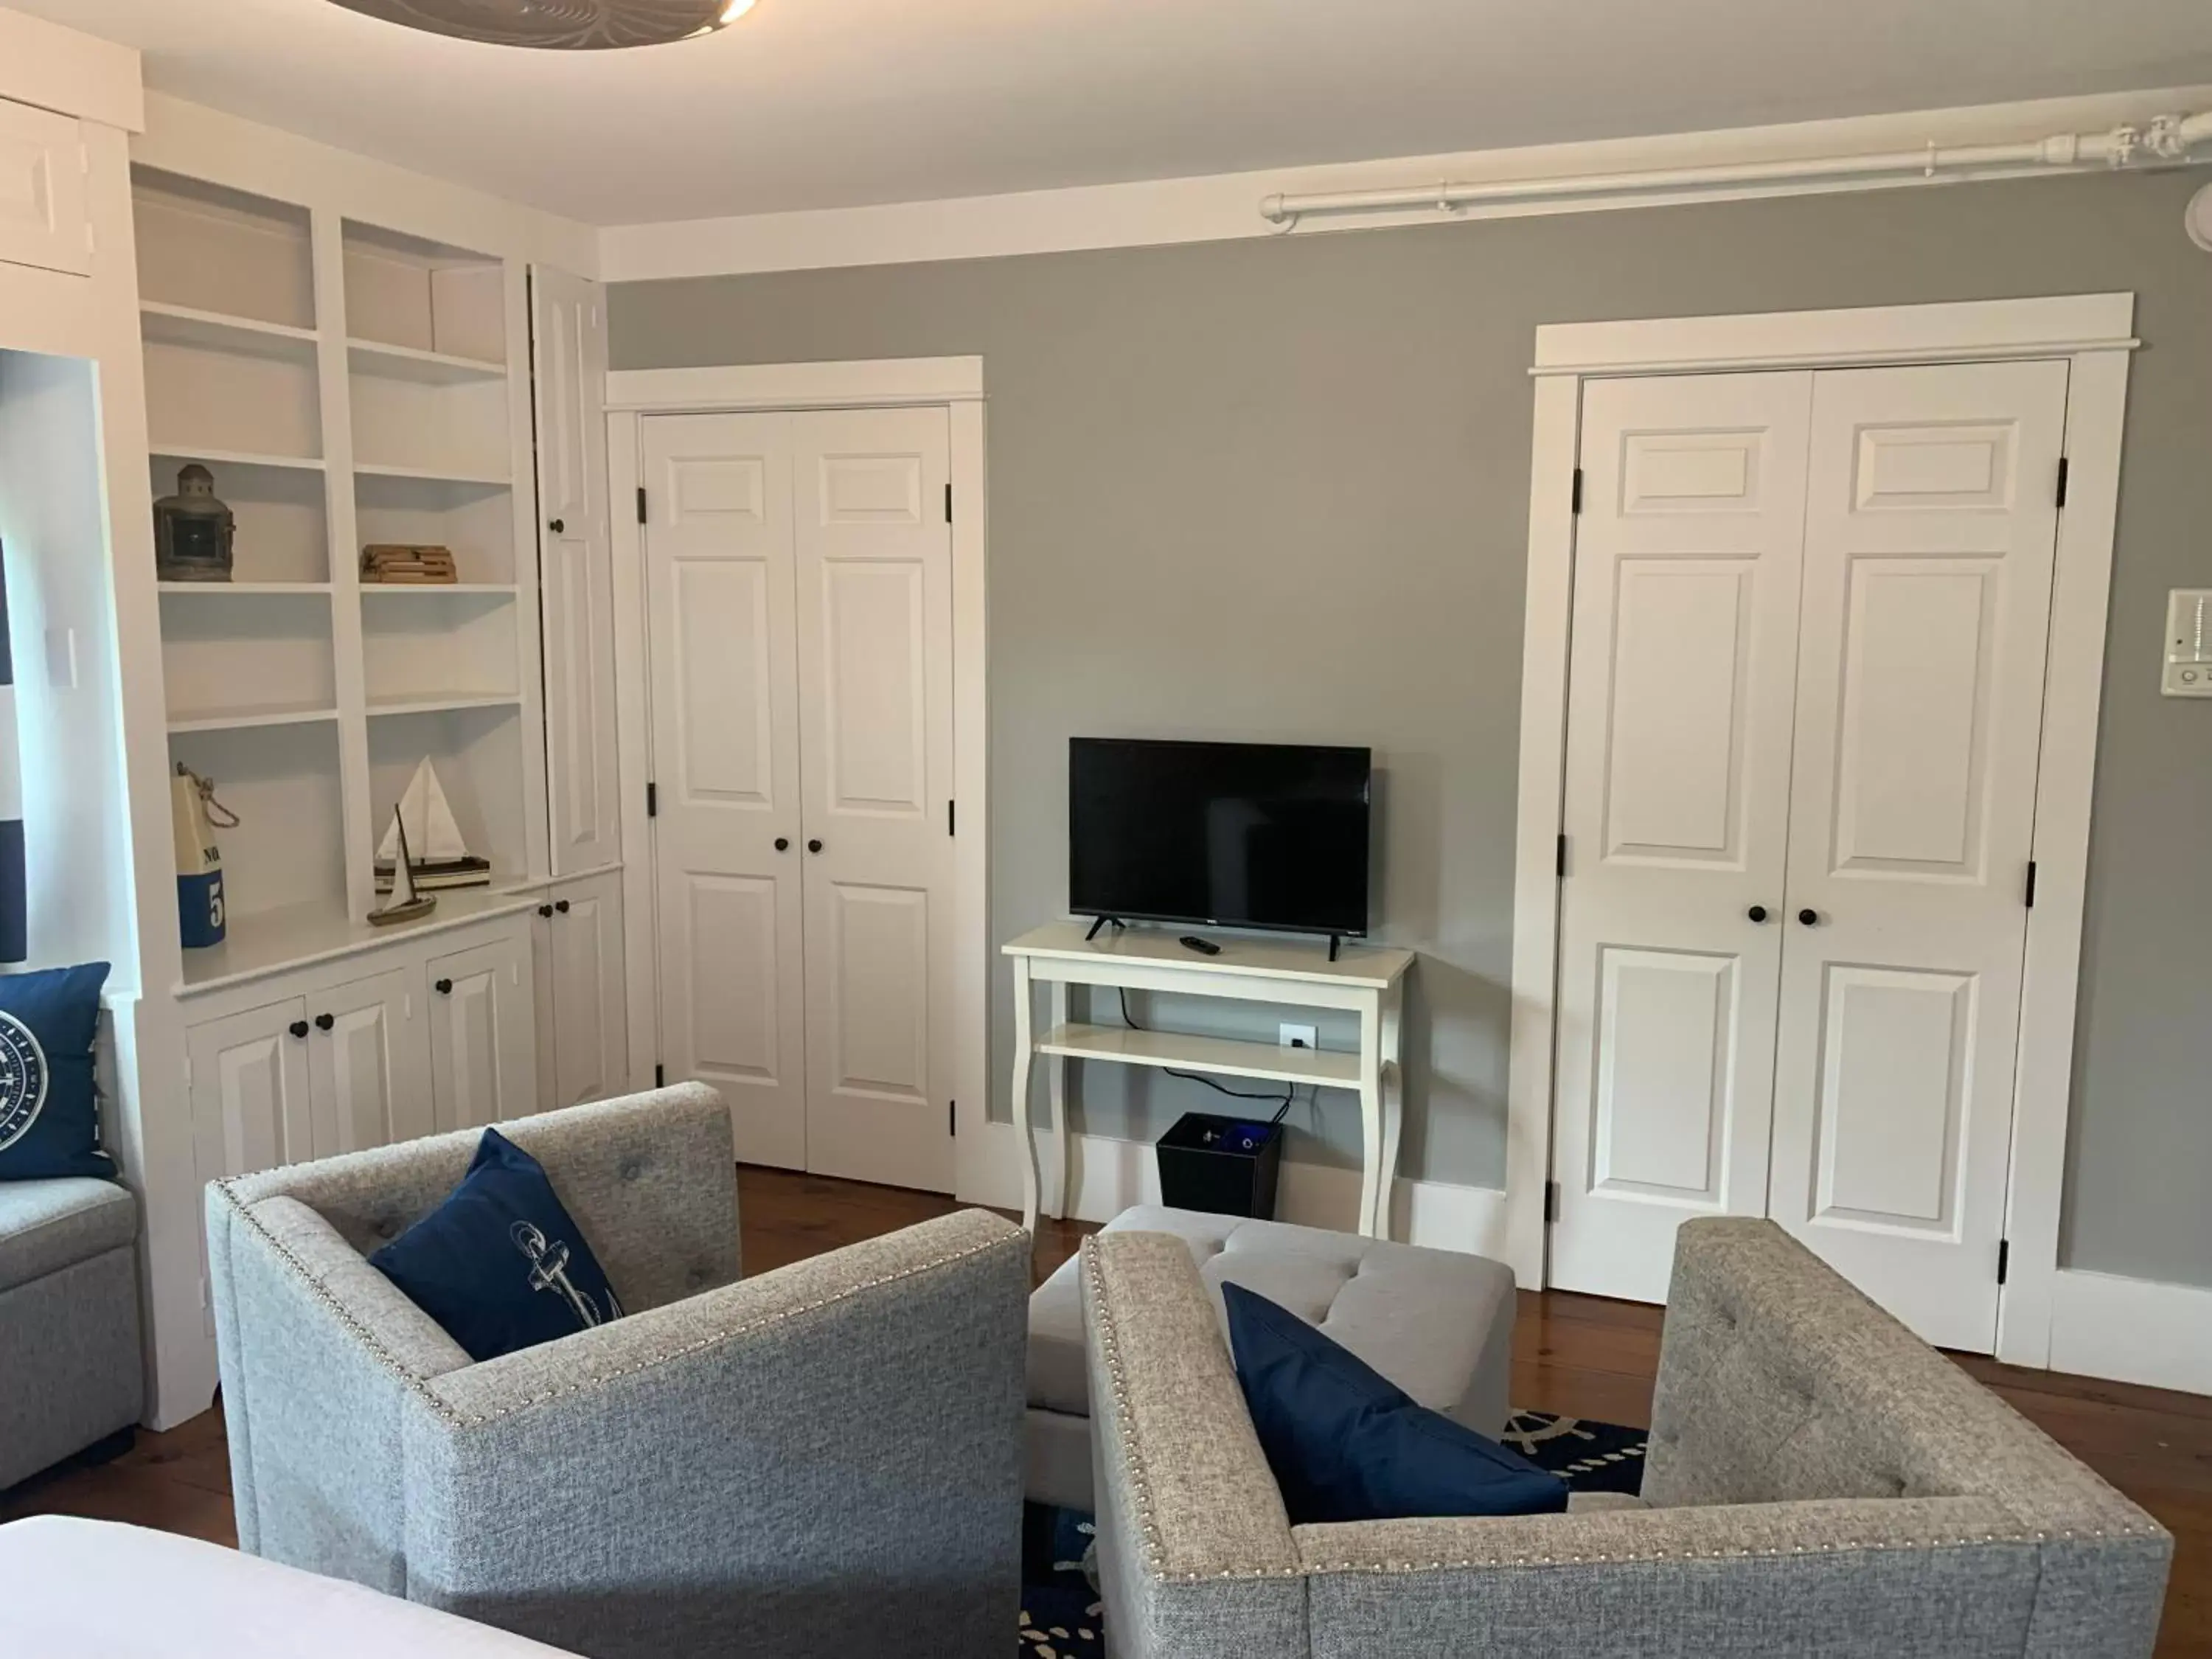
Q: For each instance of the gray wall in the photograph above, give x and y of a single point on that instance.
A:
(1278, 489)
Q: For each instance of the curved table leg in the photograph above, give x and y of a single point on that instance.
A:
(1056, 1093)
(1372, 1194)
(1394, 1112)
(1025, 1062)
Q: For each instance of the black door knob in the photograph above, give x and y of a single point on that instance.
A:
(299, 1028)
(1808, 917)
(445, 987)
(544, 909)
(783, 843)
(1757, 913)
(561, 905)
(323, 1022)
(557, 525)
(813, 846)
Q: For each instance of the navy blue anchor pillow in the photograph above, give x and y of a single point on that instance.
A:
(49, 1111)
(500, 1265)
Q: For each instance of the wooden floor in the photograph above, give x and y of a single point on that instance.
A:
(1571, 1353)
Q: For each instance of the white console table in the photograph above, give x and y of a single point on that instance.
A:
(1369, 980)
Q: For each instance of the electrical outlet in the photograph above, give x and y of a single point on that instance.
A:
(1296, 1037)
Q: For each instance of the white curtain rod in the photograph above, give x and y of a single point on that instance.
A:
(2167, 140)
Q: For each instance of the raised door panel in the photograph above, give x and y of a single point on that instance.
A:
(483, 1044)
(248, 1077)
(1931, 533)
(590, 1045)
(874, 567)
(1676, 814)
(723, 649)
(43, 212)
(369, 1061)
(576, 566)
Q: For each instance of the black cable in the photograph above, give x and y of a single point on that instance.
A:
(1282, 1106)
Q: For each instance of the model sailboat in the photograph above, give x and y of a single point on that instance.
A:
(424, 840)
(406, 904)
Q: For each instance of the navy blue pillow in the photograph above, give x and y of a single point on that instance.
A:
(500, 1264)
(49, 1114)
(1348, 1445)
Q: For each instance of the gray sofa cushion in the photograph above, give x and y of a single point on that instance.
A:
(47, 1226)
(1379, 1299)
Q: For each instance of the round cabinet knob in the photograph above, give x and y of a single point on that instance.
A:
(1757, 913)
(783, 843)
(445, 987)
(557, 525)
(323, 1022)
(544, 909)
(813, 846)
(561, 905)
(299, 1029)
(1810, 918)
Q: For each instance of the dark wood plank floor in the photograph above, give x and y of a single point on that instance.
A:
(1572, 1353)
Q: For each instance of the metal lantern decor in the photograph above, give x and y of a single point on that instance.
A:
(193, 532)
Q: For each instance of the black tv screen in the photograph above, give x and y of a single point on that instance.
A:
(1234, 835)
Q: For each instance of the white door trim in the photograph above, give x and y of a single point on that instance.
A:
(956, 383)
(2095, 332)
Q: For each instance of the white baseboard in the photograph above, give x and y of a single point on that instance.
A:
(1110, 1175)
(2132, 1330)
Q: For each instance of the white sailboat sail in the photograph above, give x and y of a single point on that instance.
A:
(432, 837)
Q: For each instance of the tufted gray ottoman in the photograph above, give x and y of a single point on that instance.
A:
(1437, 1323)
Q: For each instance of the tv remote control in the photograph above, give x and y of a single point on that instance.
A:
(1205, 947)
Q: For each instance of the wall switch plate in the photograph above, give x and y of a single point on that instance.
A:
(1297, 1036)
(2188, 667)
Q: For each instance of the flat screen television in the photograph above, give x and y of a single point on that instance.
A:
(1230, 835)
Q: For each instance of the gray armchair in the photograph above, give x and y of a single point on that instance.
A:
(1821, 1484)
(825, 1460)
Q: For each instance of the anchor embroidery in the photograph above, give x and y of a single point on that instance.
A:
(548, 1271)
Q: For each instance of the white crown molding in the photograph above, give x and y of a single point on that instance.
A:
(228, 149)
(1226, 206)
(798, 385)
(58, 69)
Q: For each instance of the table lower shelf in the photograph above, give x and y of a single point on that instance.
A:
(1224, 1056)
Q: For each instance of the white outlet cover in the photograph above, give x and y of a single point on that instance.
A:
(1298, 1037)
(2186, 670)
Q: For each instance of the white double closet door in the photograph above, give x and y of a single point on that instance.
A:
(1806, 702)
(798, 613)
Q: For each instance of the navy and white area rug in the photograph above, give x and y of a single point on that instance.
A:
(1061, 1614)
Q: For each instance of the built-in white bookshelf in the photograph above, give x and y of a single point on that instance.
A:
(347, 386)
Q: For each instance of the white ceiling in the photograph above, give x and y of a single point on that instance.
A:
(834, 103)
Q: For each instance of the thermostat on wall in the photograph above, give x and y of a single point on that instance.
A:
(2189, 643)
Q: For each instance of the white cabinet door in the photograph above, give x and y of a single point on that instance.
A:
(368, 1062)
(1677, 814)
(43, 215)
(875, 708)
(250, 1090)
(724, 677)
(483, 1042)
(1931, 530)
(584, 965)
(569, 344)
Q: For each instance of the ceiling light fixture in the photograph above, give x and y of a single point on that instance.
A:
(559, 25)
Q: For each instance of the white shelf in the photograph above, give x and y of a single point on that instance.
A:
(233, 719)
(440, 703)
(184, 325)
(432, 475)
(172, 451)
(410, 363)
(436, 590)
(296, 935)
(248, 589)
(1224, 1056)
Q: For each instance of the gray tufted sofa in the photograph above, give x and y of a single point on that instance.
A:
(70, 1371)
(794, 1464)
(1820, 1483)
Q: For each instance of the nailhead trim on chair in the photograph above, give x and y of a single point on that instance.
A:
(457, 1419)
(1109, 1349)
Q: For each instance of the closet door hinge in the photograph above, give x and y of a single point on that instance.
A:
(641, 503)
(1551, 1201)
(1559, 864)
(2058, 496)
(2004, 1258)
(1576, 504)
(652, 800)
(953, 1118)
(952, 817)
(2030, 896)
(948, 503)
(659, 1077)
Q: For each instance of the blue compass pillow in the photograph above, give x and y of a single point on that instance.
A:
(49, 1111)
(500, 1264)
